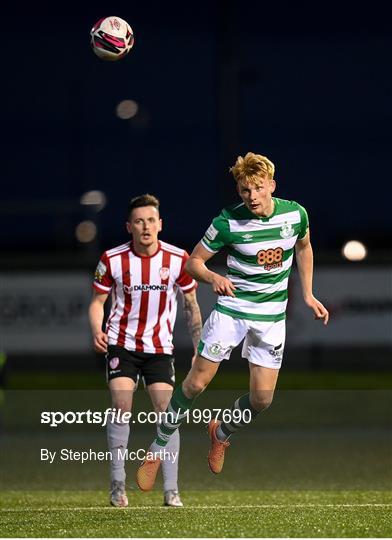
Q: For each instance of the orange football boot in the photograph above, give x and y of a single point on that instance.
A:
(216, 455)
(147, 473)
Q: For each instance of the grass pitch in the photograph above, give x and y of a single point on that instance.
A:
(318, 464)
(206, 514)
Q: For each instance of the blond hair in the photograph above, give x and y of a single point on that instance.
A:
(251, 167)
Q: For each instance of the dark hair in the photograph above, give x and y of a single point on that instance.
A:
(143, 200)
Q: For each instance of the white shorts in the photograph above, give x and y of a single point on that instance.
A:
(263, 344)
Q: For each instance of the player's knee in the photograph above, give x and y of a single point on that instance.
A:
(193, 387)
(161, 406)
(121, 405)
(261, 400)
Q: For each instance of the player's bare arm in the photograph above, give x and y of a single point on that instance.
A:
(96, 314)
(304, 258)
(193, 318)
(196, 267)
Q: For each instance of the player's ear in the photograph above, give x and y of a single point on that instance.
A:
(128, 226)
(273, 185)
(160, 225)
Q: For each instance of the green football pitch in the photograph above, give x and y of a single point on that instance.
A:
(317, 464)
(205, 514)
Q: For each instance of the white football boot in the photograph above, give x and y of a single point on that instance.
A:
(118, 497)
(172, 498)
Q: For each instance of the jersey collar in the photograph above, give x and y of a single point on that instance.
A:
(140, 255)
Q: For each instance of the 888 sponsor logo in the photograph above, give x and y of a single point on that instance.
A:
(270, 258)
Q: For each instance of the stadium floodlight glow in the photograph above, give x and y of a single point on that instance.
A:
(86, 231)
(94, 198)
(354, 250)
(127, 109)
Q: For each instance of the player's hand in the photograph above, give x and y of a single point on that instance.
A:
(101, 342)
(222, 286)
(320, 312)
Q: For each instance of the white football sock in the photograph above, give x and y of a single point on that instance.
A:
(170, 464)
(117, 435)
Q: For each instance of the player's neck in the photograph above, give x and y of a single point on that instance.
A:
(145, 251)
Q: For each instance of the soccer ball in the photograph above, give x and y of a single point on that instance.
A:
(111, 38)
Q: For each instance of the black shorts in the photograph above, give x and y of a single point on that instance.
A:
(152, 368)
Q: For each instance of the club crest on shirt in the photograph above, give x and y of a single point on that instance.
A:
(164, 272)
(100, 271)
(286, 230)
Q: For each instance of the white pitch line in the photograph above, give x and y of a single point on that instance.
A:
(206, 507)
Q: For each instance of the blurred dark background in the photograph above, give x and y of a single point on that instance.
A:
(308, 85)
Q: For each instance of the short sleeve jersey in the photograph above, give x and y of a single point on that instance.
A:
(144, 295)
(260, 257)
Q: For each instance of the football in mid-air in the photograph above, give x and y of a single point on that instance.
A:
(111, 38)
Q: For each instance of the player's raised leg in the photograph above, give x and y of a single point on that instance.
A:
(243, 411)
(198, 378)
(121, 390)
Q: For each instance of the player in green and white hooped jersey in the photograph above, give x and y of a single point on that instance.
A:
(261, 234)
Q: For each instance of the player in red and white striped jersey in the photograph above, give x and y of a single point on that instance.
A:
(144, 292)
(143, 277)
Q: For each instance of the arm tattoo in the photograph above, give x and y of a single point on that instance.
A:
(193, 317)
